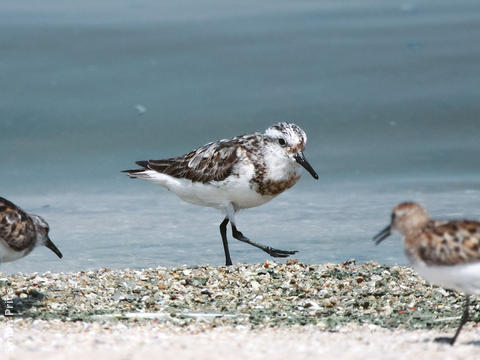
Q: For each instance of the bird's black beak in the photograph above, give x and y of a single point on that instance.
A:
(49, 244)
(300, 158)
(382, 235)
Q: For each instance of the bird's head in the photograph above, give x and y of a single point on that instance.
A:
(406, 217)
(43, 229)
(289, 142)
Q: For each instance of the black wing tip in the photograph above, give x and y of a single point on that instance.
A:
(142, 163)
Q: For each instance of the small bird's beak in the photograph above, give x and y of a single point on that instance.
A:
(300, 158)
(49, 244)
(382, 235)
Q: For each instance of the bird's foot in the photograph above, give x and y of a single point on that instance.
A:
(279, 253)
(269, 250)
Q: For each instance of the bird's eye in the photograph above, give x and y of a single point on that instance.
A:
(282, 142)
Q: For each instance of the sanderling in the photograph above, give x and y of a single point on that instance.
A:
(234, 174)
(20, 233)
(446, 253)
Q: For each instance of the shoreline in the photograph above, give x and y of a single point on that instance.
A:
(276, 310)
(258, 295)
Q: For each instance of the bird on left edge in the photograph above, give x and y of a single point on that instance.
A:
(20, 233)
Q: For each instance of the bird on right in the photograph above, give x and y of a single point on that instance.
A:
(444, 252)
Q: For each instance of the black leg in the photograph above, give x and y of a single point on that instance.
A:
(269, 250)
(223, 232)
(451, 341)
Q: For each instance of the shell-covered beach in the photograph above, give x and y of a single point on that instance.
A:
(262, 295)
(318, 303)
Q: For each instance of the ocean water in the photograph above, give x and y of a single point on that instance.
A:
(388, 93)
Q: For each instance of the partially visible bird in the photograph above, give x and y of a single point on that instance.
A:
(20, 233)
(444, 252)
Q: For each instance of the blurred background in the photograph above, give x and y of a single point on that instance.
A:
(387, 91)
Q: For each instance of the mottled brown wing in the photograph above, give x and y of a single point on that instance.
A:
(450, 243)
(211, 162)
(16, 227)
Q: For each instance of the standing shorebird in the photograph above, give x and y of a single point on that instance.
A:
(20, 233)
(230, 175)
(446, 253)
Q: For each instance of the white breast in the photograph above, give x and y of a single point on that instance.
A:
(217, 194)
(7, 254)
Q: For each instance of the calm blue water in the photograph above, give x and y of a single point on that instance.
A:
(388, 93)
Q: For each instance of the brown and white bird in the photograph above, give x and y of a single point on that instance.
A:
(444, 252)
(234, 174)
(20, 232)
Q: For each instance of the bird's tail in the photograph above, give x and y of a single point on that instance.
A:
(138, 173)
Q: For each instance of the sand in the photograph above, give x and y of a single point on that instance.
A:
(59, 340)
(263, 311)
